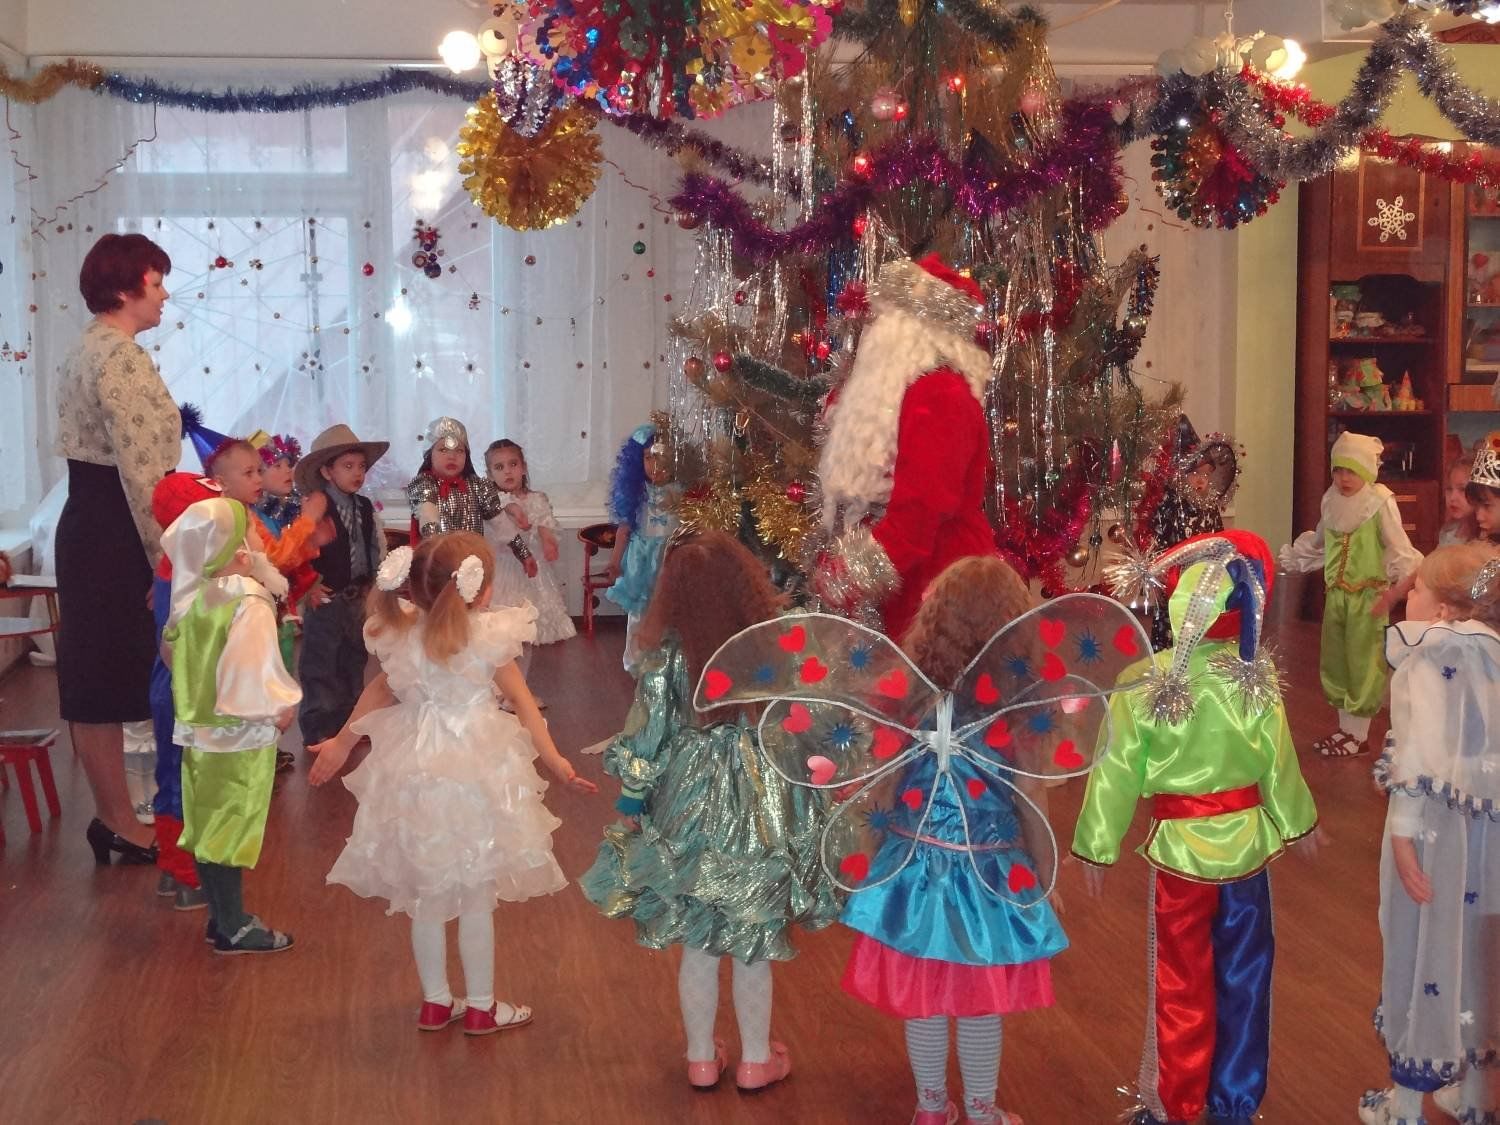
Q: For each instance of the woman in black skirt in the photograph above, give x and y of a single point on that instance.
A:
(120, 431)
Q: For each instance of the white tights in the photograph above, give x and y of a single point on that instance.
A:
(476, 950)
(698, 994)
(978, 1062)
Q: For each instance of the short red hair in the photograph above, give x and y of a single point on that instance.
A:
(118, 263)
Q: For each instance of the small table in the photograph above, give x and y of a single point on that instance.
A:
(29, 586)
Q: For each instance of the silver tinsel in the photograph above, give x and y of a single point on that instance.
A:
(1403, 43)
(906, 287)
(867, 577)
(1169, 697)
(1258, 682)
(1131, 577)
(524, 95)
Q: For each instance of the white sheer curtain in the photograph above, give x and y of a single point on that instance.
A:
(318, 315)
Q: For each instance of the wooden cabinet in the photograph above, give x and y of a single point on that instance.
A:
(1390, 219)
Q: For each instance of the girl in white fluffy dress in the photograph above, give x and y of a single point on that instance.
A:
(1439, 1011)
(450, 816)
(527, 513)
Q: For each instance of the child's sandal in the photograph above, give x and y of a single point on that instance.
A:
(706, 1075)
(484, 1021)
(946, 1116)
(435, 1017)
(1339, 744)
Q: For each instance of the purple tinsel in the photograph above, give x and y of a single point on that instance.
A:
(1085, 147)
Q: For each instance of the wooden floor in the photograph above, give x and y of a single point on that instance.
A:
(112, 1010)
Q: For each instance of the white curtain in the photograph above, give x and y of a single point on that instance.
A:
(317, 314)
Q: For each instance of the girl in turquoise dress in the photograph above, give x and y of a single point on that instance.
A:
(716, 852)
(641, 502)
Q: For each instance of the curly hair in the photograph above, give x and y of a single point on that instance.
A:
(438, 607)
(1449, 572)
(963, 608)
(710, 587)
(627, 483)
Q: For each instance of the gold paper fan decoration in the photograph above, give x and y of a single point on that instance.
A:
(528, 183)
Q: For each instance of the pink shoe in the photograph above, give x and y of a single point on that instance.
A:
(705, 1075)
(753, 1077)
(435, 1017)
(482, 1021)
(948, 1116)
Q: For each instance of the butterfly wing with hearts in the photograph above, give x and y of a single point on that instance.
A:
(840, 703)
(1036, 697)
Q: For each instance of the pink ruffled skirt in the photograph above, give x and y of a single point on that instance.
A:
(915, 987)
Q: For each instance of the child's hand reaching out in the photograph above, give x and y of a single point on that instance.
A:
(549, 545)
(332, 753)
(518, 516)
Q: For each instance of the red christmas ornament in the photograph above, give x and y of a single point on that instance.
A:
(796, 492)
(740, 296)
(368, 269)
(902, 110)
(823, 350)
(956, 83)
(220, 262)
(723, 361)
(861, 165)
(860, 225)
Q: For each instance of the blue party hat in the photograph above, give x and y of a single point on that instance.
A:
(204, 440)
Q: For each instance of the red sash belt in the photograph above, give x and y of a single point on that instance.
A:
(1175, 806)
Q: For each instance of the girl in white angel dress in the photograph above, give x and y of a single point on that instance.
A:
(450, 817)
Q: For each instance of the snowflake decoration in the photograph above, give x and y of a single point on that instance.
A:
(1391, 218)
(1466, 1019)
(1448, 671)
(1430, 988)
(1471, 897)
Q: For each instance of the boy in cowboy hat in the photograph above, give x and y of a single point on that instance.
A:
(332, 670)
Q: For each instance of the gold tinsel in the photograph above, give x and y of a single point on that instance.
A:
(45, 83)
(781, 522)
(714, 506)
(528, 184)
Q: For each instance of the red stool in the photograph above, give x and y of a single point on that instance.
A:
(595, 538)
(22, 749)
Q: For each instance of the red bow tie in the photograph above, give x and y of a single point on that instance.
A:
(451, 484)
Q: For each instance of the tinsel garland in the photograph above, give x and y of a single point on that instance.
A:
(1034, 545)
(1155, 477)
(996, 29)
(46, 83)
(1404, 41)
(1125, 339)
(1084, 146)
(673, 137)
(1475, 166)
(774, 380)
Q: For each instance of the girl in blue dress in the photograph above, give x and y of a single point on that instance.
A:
(641, 503)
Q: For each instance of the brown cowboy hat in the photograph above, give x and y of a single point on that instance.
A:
(328, 447)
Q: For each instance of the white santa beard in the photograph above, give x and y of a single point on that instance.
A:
(896, 350)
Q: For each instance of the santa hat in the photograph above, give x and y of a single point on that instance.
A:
(1359, 453)
(924, 318)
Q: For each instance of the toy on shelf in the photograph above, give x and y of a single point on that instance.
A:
(1405, 400)
(1483, 279)
(1363, 387)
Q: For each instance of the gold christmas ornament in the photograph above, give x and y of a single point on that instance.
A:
(1078, 556)
(529, 184)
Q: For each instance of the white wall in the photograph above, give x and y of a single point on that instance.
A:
(13, 21)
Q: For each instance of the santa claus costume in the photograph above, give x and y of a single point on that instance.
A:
(907, 458)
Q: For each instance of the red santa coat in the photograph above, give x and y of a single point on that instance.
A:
(935, 514)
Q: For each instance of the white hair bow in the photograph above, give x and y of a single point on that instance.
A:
(470, 578)
(392, 573)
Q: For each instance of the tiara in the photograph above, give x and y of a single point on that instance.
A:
(1486, 470)
(1484, 580)
(279, 446)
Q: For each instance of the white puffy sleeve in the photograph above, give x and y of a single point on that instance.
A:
(540, 509)
(1305, 553)
(499, 633)
(1401, 558)
(252, 683)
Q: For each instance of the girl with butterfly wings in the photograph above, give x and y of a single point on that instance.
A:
(940, 834)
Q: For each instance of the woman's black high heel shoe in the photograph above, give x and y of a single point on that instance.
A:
(104, 841)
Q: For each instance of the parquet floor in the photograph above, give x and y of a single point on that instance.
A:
(112, 1010)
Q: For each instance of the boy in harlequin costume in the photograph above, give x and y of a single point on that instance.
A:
(1206, 740)
(1363, 550)
(907, 459)
(232, 697)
